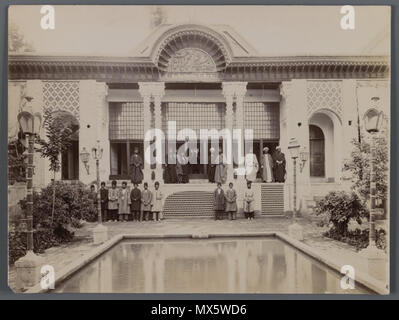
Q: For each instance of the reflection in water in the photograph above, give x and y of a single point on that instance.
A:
(217, 266)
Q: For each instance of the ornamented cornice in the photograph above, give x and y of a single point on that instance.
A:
(248, 69)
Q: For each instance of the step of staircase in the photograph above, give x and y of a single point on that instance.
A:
(189, 203)
(272, 199)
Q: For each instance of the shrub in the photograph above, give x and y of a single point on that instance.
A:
(359, 238)
(340, 207)
(72, 202)
(42, 240)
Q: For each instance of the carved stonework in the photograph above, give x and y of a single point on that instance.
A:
(61, 95)
(191, 60)
(324, 95)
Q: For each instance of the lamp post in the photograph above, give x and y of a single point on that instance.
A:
(100, 232)
(294, 230)
(372, 124)
(28, 272)
(97, 153)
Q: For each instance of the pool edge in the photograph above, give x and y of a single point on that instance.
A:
(362, 278)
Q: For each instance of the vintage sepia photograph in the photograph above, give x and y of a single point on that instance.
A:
(199, 149)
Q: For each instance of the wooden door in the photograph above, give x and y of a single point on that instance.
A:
(317, 152)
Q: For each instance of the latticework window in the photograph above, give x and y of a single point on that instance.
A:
(194, 116)
(61, 95)
(126, 121)
(263, 119)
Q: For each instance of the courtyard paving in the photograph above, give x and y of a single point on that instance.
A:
(342, 253)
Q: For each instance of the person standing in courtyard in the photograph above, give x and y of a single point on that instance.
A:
(211, 165)
(93, 194)
(136, 167)
(135, 202)
(251, 167)
(157, 203)
(146, 200)
(104, 202)
(124, 202)
(249, 198)
(113, 202)
(279, 165)
(221, 170)
(170, 168)
(267, 166)
(231, 202)
(219, 202)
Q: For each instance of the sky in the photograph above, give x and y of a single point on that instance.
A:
(272, 30)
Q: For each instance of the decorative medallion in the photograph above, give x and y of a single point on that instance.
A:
(191, 60)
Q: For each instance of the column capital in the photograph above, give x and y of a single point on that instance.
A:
(234, 89)
(152, 89)
(285, 89)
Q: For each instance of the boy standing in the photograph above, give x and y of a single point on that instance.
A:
(249, 202)
(124, 202)
(157, 203)
(113, 202)
(146, 200)
(135, 199)
(219, 202)
(231, 202)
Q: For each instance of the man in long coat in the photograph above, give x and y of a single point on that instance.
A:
(170, 168)
(267, 166)
(104, 201)
(135, 199)
(124, 202)
(146, 201)
(221, 170)
(211, 166)
(219, 202)
(279, 165)
(136, 167)
(251, 166)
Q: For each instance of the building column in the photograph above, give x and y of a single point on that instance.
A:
(158, 93)
(149, 90)
(229, 95)
(231, 91)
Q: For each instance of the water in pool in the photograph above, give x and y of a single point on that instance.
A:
(252, 265)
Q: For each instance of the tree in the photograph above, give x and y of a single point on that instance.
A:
(58, 140)
(359, 166)
(16, 40)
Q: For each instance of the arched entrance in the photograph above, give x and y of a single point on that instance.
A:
(317, 152)
(69, 158)
(325, 136)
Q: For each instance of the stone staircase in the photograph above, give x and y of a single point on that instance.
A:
(272, 199)
(189, 204)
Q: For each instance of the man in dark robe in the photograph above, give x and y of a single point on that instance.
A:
(136, 167)
(135, 202)
(279, 165)
(104, 201)
(170, 168)
(211, 166)
(219, 202)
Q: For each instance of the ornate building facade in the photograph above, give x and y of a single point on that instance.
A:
(205, 77)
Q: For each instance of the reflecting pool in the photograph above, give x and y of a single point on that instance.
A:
(244, 265)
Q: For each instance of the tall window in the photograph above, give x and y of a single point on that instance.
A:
(126, 132)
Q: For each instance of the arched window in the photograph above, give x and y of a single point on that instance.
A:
(317, 152)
